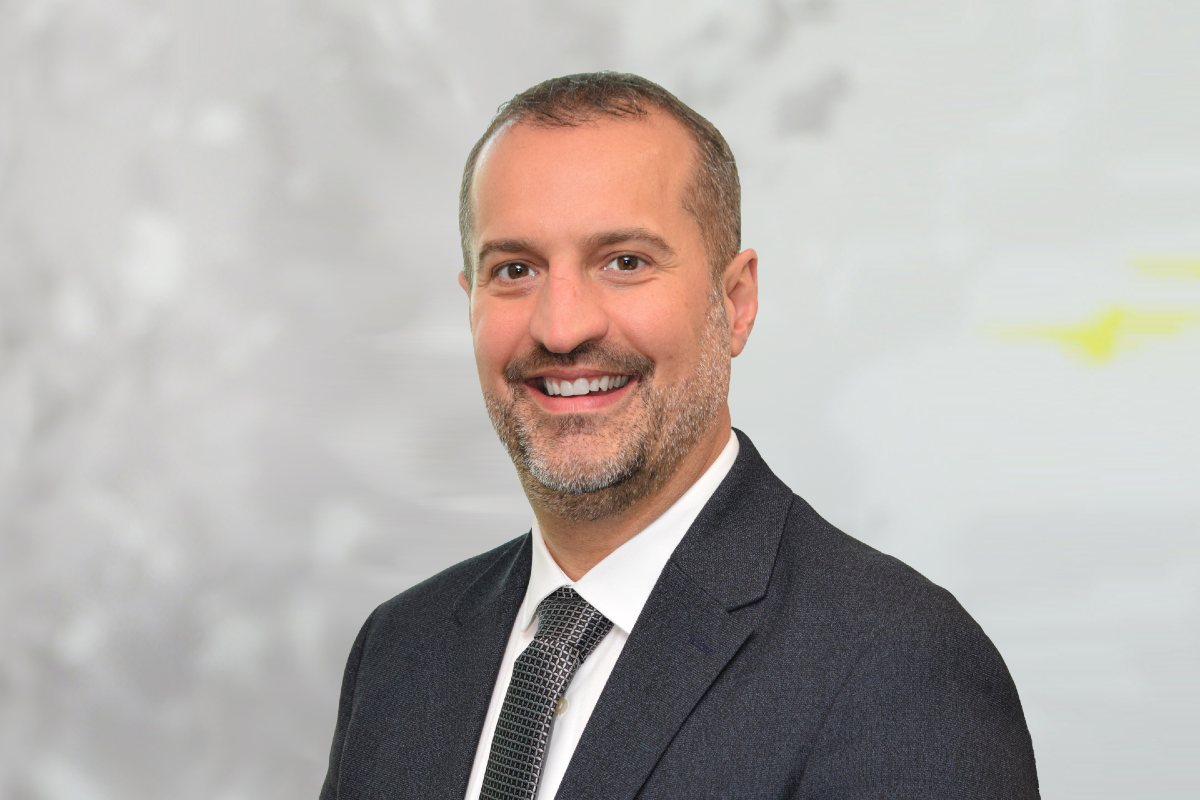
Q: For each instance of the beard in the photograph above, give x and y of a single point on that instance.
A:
(586, 467)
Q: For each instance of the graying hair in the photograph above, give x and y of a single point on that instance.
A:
(714, 195)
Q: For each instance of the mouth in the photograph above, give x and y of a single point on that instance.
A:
(579, 391)
(568, 387)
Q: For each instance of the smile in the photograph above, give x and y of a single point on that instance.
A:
(582, 386)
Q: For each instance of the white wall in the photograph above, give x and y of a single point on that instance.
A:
(238, 406)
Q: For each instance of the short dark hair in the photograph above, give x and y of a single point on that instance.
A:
(714, 195)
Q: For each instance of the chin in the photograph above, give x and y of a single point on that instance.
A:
(570, 476)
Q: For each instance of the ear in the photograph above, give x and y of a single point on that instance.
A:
(465, 283)
(740, 283)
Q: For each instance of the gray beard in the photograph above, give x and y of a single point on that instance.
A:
(668, 424)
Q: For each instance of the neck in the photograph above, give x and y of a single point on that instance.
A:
(578, 545)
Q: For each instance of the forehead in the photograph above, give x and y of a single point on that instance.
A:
(607, 172)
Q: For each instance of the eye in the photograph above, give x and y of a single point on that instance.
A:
(513, 271)
(625, 263)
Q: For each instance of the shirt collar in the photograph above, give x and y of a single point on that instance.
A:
(620, 584)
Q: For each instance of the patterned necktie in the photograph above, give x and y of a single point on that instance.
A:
(568, 631)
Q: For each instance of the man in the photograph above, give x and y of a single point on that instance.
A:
(677, 624)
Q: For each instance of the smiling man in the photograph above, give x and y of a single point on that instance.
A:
(676, 623)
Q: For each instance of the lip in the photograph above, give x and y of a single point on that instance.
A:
(570, 374)
(577, 404)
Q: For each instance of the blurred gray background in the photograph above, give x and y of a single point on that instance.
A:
(238, 405)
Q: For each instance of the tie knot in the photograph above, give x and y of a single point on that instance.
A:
(566, 617)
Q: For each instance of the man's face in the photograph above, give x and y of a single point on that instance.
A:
(602, 344)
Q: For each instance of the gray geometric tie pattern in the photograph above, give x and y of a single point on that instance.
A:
(568, 631)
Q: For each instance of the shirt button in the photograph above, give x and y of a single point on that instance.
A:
(561, 707)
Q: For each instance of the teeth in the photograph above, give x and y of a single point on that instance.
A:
(556, 388)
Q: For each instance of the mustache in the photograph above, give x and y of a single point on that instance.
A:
(592, 355)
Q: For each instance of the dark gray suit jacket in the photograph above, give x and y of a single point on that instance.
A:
(777, 657)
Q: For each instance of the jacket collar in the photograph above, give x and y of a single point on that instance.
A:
(728, 552)
(701, 612)
(730, 549)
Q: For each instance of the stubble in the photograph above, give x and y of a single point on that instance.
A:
(586, 467)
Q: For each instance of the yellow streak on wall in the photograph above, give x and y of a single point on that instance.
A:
(1112, 330)
(1168, 266)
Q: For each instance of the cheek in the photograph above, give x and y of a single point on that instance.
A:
(496, 337)
(664, 333)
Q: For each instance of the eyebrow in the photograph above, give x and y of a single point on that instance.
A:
(503, 246)
(622, 235)
(593, 242)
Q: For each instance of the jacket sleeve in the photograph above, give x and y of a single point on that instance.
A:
(929, 711)
(329, 791)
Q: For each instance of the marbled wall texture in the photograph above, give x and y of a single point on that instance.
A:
(238, 405)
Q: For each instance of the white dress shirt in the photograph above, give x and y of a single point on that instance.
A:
(617, 587)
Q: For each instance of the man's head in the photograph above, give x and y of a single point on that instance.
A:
(713, 195)
(602, 317)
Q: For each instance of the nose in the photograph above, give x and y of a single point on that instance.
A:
(569, 313)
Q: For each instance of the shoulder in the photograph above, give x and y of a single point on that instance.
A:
(912, 678)
(856, 585)
(431, 602)
(878, 620)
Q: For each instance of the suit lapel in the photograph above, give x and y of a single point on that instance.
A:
(474, 648)
(697, 618)
(666, 666)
